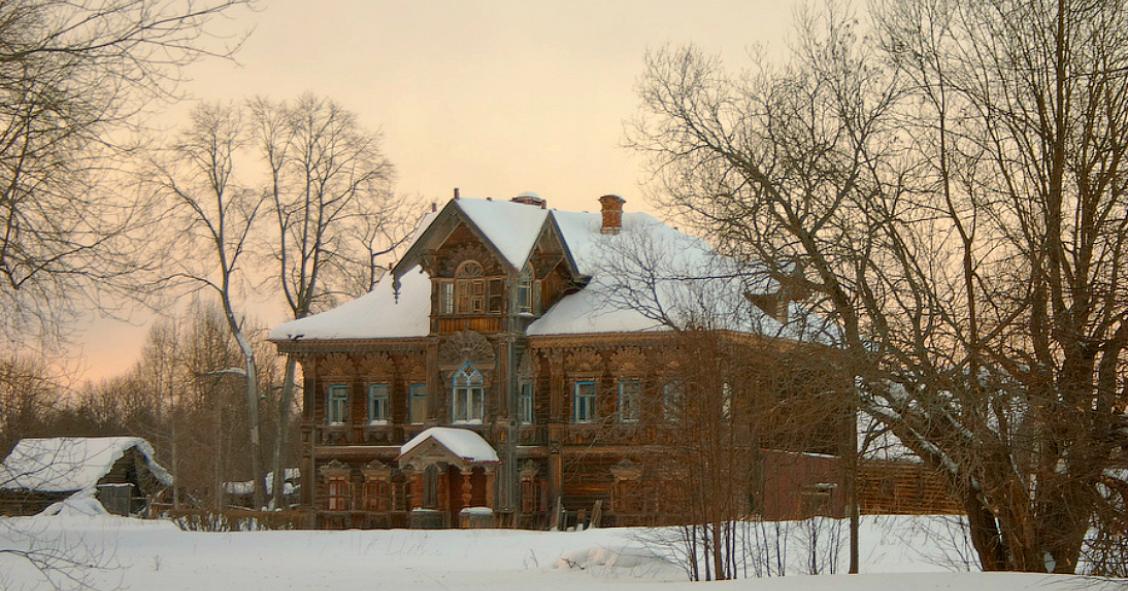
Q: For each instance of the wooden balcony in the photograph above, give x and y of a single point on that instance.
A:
(482, 324)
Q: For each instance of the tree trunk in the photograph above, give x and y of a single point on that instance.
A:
(279, 481)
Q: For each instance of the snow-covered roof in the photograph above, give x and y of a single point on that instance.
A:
(463, 443)
(247, 487)
(376, 314)
(696, 283)
(65, 464)
(511, 227)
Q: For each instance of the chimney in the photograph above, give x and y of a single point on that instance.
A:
(530, 198)
(611, 206)
(456, 192)
(434, 207)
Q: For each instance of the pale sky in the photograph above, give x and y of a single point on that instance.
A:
(494, 97)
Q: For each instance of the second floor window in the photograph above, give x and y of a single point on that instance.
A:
(468, 398)
(417, 404)
(377, 403)
(337, 405)
(673, 401)
(630, 391)
(525, 291)
(525, 403)
(583, 403)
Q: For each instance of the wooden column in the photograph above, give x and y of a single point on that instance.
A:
(467, 487)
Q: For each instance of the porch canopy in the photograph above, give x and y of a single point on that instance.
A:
(461, 449)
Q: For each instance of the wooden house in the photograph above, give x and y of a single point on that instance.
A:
(86, 474)
(501, 321)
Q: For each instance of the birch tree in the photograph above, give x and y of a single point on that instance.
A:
(330, 196)
(215, 217)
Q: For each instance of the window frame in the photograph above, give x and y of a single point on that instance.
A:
(526, 398)
(468, 391)
(624, 418)
(525, 291)
(671, 390)
(342, 487)
(589, 406)
(331, 400)
(374, 395)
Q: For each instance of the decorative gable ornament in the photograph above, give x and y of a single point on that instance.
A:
(584, 361)
(378, 365)
(336, 365)
(466, 346)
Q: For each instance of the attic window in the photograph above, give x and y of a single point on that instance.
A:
(470, 288)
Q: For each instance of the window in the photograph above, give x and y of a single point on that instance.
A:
(376, 495)
(629, 394)
(470, 292)
(417, 404)
(337, 409)
(446, 297)
(673, 399)
(338, 493)
(525, 291)
(496, 295)
(583, 404)
(468, 400)
(525, 404)
(377, 403)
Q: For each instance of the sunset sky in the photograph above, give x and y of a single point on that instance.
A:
(494, 97)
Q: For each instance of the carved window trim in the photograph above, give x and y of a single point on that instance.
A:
(468, 396)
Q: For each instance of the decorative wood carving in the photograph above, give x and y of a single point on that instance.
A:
(468, 252)
(529, 471)
(525, 367)
(376, 470)
(629, 361)
(334, 469)
(336, 365)
(585, 361)
(377, 365)
(464, 346)
(626, 470)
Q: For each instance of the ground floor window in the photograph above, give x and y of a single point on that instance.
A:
(583, 403)
(338, 493)
(376, 495)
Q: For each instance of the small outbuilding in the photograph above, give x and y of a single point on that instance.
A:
(118, 475)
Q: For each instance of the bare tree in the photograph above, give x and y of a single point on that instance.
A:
(74, 80)
(216, 216)
(952, 197)
(332, 203)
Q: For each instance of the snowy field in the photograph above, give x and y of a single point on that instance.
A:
(150, 555)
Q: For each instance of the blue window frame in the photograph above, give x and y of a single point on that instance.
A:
(583, 402)
(377, 403)
(630, 393)
(337, 405)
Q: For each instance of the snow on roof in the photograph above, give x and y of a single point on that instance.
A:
(697, 285)
(247, 487)
(376, 314)
(463, 443)
(64, 464)
(511, 227)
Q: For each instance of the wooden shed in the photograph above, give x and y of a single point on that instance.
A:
(87, 474)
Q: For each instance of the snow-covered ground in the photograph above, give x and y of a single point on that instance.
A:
(897, 553)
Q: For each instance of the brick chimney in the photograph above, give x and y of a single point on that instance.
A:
(530, 198)
(611, 206)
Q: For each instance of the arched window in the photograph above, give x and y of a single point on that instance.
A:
(470, 288)
(468, 398)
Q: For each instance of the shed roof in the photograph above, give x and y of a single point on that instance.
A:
(65, 464)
